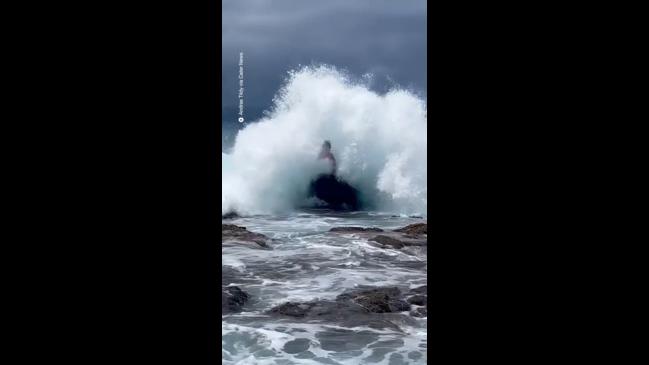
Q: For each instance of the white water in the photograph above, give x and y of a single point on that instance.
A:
(379, 142)
(307, 262)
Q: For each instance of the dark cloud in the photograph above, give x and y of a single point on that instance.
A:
(384, 37)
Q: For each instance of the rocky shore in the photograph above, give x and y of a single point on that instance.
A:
(348, 307)
(376, 307)
(411, 235)
(235, 234)
(233, 299)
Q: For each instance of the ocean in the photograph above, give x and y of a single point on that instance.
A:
(295, 309)
(306, 263)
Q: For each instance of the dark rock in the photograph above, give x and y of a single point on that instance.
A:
(399, 240)
(414, 229)
(292, 309)
(230, 215)
(375, 303)
(388, 241)
(399, 305)
(230, 232)
(324, 309)
(355, 229)
(377, 300)
(419, 312)
(420, 290)
(335, 310)
(233, 299)
(338, 194)
(417, 300)
(377, 308)
(392, 291)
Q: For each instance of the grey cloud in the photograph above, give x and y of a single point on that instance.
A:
(383, 37)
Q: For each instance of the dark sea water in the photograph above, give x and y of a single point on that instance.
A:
(307, 262)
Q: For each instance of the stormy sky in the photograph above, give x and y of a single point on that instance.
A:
(386, 38)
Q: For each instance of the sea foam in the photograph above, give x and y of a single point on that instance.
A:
(379, 141)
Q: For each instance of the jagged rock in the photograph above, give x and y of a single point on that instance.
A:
(230, 215)
(337, 194)
(419, 312)
(355, 229)
(293, 309)
(414, 229)
(233, 299)
(230, 232)
(377, 300)
(388, 241)
(345, 313)
(322, 309)
(360, 302)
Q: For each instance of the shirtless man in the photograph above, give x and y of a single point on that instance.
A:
(325, 153)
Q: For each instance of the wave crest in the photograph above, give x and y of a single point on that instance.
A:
(379, 142)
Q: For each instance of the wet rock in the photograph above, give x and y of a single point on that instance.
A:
(419, 312)
(233, 299)
(230, 215)
(392, 291)
(293, 309)
(230, 232)
(345, 314)
(414, 229)
(336, 193)
(355, 229)
(399, 240)
(379, 308)
(377, 300)
(324, 309)
(388, 241)
(417, 300)
(335, 310)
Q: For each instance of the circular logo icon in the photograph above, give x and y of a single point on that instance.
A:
(240, 119)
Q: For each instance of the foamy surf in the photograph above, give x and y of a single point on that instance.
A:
(307, 263)
(379, 142)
